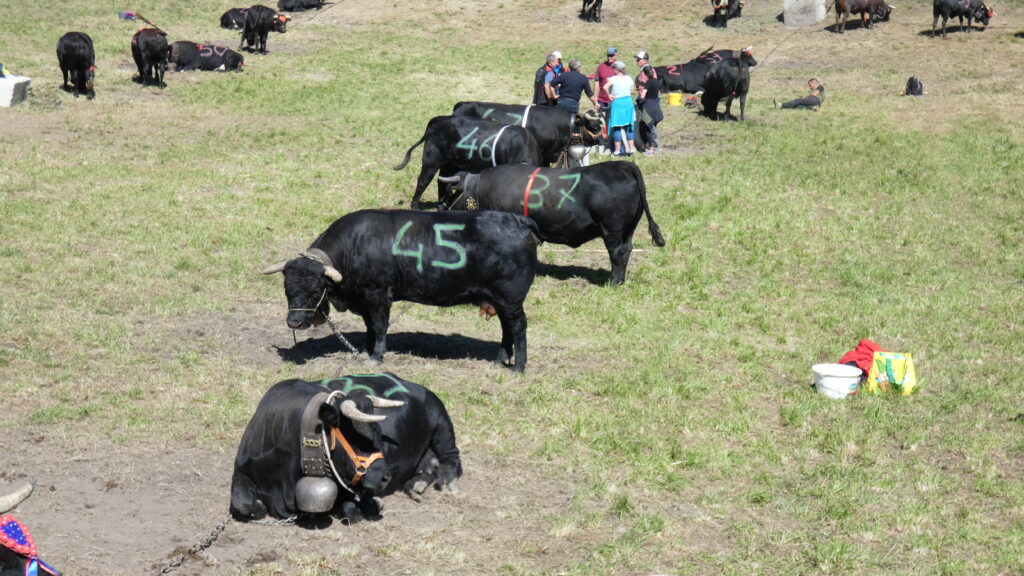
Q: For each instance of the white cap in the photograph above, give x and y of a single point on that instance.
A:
(557, 54)
(643, 54)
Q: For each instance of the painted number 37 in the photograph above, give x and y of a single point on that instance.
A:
(417, 253)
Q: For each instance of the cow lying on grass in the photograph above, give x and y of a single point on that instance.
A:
(370, 435)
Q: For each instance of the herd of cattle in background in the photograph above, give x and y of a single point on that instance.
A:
(509, 177)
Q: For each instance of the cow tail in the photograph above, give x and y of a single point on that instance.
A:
(408, 153)
(659, 240)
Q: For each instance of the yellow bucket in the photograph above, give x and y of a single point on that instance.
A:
(675, 99)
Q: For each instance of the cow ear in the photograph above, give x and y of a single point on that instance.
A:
(330, 415)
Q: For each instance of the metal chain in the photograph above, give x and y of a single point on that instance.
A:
(198, 547)
(400, 312)
(341, 337)
(281, 522)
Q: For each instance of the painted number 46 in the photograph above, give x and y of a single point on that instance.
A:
(439, 229)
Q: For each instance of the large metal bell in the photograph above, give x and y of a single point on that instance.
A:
(315, 495)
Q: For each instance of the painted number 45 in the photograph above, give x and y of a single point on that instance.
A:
(439, 229)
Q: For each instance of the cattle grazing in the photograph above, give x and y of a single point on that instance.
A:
(192, 56)
(150, 51)
(973, 10)
(727, 80)
(233, 19)
(725, 10)
(299, 5)
(259, 22)
(570, 207)
(77, 60)
(454, 143)
(591, 11)
(869, 11)
(554, 129)
(367, 260)
(371, 434)
(689, 77)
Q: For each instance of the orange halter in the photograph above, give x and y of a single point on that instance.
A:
(361, 463)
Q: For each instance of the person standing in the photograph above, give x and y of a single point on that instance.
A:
(571, 86)
(604, 72)
(620, 89)
(650, 109)
(541, 83)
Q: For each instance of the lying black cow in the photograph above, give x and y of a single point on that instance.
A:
(299, 5)
(554, 129)
(455, 143)
(973, 10)
(77, 60)
(727, 80)
(259, 22)
(570, 207)
(725, 10)
(192, 56)
(869, 10)
(233, 19)
(369, 259)
(399, 434)
(689, 77)
(150, 51)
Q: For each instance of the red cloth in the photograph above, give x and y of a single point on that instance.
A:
(862, 354)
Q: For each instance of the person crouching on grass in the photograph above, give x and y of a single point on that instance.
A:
(620, 89)
(810, 102)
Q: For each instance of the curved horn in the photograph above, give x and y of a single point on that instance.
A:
(748, 48)
(385, 403)
(349, 410)
(332, 273)
(275, 268)
(11, 500)
(450, 179)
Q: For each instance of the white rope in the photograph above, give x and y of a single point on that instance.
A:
(494, 147)
(526, 114)
(327, 451)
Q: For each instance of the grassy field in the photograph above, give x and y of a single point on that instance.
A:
(665, 426)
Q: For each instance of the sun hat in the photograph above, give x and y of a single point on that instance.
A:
(612, 50)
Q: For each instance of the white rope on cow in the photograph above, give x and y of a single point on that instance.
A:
(327, 451)
(494, 147)
(526, 114)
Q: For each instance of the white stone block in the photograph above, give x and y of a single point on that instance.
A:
(13, 90)
(803, 12)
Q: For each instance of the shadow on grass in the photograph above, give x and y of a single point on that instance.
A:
(595, 277)
(953, 28)
(422, 344)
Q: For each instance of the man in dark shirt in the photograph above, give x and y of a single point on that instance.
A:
(570, 86)
(810, 102)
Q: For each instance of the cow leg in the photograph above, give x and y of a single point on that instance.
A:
(728, 108)
(376, 321)
(263, 42)
(426, 175)
(619, 251)
(743, 104)
(506, 351)
(513, 336)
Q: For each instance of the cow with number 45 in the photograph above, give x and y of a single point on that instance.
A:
(367, 260)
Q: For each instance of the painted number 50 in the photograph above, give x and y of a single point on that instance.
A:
(439, 229)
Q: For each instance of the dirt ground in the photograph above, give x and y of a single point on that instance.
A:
(101, 508)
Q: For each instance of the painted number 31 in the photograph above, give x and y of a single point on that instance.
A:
(439, 229)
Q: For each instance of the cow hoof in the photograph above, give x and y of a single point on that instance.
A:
(452, 488)
(371, 509)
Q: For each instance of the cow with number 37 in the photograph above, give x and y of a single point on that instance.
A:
(369, 259)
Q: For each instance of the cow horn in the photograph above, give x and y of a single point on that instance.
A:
(450, 179)
(11, 500)
(748, 48)
(348, 408)
(385, 403)
(332, 273)
(275, 268)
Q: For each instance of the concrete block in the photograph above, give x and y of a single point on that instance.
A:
(13, 90)
(798, 13)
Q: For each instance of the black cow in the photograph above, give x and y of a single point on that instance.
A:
(150, 51)
(77, 59)
(570, 207)
(689, 77)
(259, 22)
(369, 259)
(299, 5)
(869, 11)
(554, 129)
(726, 10)
(192, 56)
(455, 143)
(591, 11)
(727, 80)
(973, 10)
(399, 434)
(233, 19)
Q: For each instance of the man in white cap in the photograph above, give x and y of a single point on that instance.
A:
(543, 94)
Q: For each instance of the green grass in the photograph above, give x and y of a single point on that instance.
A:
(675, 409)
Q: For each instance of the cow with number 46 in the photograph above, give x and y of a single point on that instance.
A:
(367, 260)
